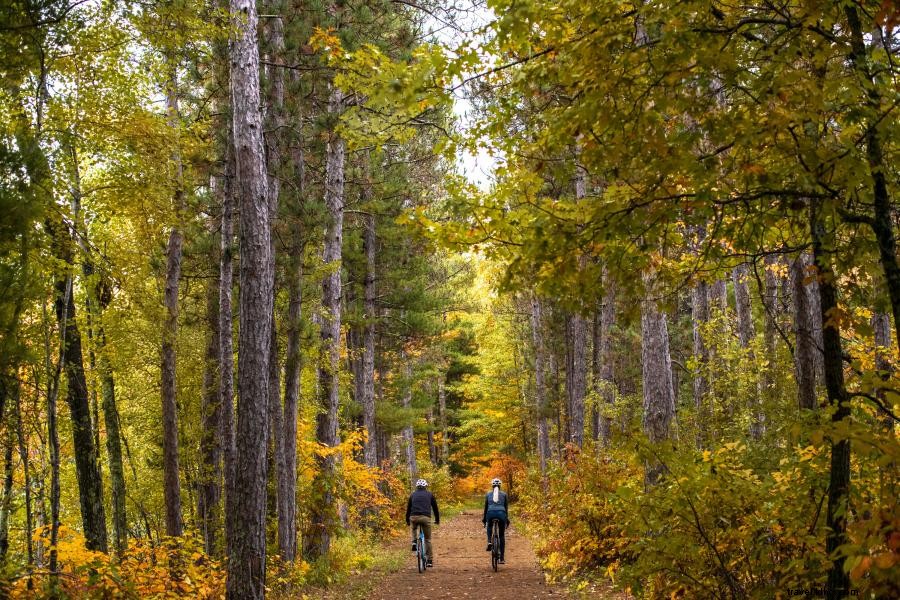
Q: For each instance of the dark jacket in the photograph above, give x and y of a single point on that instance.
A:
(495, 510)
(422, 502)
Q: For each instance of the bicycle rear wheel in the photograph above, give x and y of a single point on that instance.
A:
(420, 552)
(495, 545)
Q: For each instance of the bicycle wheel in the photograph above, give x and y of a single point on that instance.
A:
(420, 552)
(495, 545)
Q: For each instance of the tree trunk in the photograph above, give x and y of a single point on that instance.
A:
(226, 339)
(882, 222)
(718, 296)
(839, 476)
(86, 464)
(699, 317)
(881, 324)
(26, 474)
(442, 406)
(656, 368)
(541, 408)
(804, 342)
(607, 322)
(71, 360)
(432, 448)
(739, 275)
(576, 378)
(408, 433)
(99, 295)
(746, 333)
(772, 313)
(246, 538)
(208, 499)
(111, 421)
(368, 358)
(172, 484)
(287, 482)
(276, 124)
(596, 366)
(6, 501)
(322, 518)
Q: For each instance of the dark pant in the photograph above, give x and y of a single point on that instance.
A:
(425, 524)
(501, 525)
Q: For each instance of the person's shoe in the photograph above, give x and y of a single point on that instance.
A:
(414, 547)
(430, 563)
(502, 562)
(490, 547)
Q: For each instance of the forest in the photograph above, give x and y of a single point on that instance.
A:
(263, 265)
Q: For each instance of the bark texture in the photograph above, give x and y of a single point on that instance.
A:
(839, 476)
(576, 377)
(607, 370)
(247, 562)
(171, 480)
(210, 477)
(287, 483)
(368, 358)
(804, 341)
(322, 521)
(699, 317)
(656, 369)
(540, 387)
(408, 433)
(226, 338)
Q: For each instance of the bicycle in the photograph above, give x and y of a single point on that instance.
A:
(495, 543)
(421, 560)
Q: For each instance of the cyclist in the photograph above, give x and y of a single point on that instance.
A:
(419, 507)
(496, 506)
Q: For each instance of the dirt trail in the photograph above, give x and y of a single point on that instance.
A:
(462, 568)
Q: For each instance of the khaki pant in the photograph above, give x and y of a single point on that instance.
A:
(425, 523)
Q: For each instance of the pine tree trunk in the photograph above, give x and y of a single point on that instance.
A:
(368, 359)
(171, 481)
(246, 538)
(432, 448)
(442, 406)
(287, 483)
(576, 383)
(322, 518)
(208, 498)
(804, 342)
(409, 438)
(226, 338)
(656, 368)
(274, 139)
(541, 405)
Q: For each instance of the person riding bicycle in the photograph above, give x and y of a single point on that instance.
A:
(419, 507)
(496, 506)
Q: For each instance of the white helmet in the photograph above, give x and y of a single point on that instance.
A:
(421, 483)
(496, 482)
